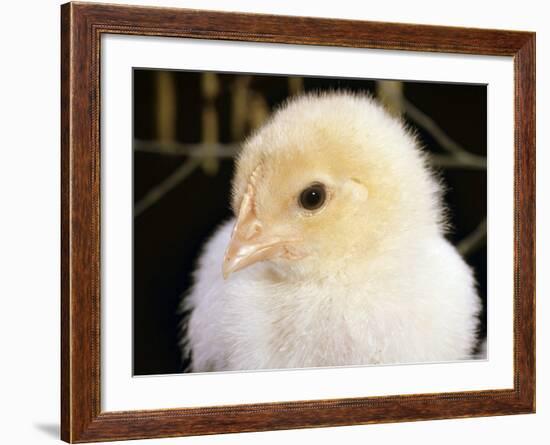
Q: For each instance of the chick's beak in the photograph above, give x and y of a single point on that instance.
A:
(251, 242)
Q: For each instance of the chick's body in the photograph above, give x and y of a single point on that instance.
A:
(367, 277)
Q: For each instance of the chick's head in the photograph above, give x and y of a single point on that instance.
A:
(329, 182)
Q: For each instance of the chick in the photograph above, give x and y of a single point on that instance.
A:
(337, 254)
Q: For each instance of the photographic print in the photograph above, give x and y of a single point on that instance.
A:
(300, 222)
(275, 222)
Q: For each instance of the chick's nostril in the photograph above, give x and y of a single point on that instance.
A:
(254, 230)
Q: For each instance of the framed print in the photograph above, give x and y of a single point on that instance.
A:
(275, 222)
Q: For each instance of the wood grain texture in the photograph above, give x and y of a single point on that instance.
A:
(81, 28)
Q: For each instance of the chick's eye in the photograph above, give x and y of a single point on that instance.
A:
(313, 197)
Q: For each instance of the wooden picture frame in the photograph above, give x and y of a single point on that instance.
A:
(82, 25)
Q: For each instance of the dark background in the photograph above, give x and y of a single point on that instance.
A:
(177, 113)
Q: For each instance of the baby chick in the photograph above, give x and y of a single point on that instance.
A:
(336, 256)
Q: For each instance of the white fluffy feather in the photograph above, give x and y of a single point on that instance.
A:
(381, 283)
